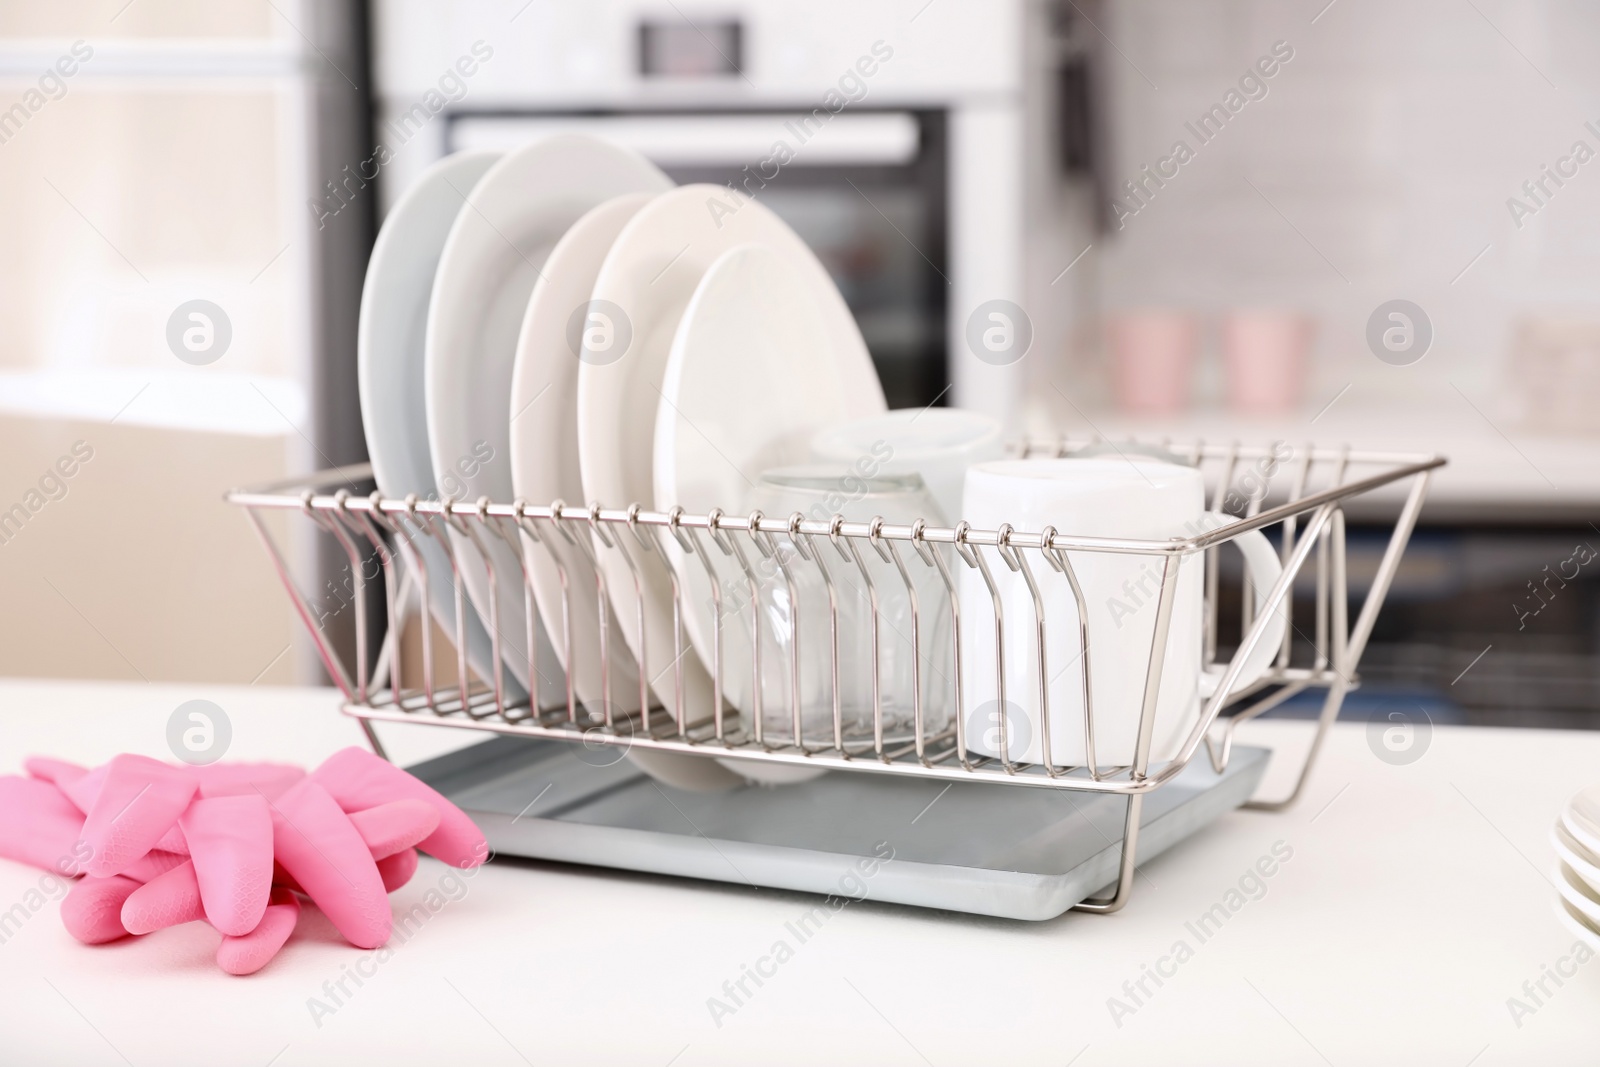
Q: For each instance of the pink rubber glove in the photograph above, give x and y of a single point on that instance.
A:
(136, 819)
(396, 826)
(57, 771)
(83, 789)
(242, 954)
(272, 779)
(269, 780)
(170, 899)
(40, 820)
(92, 908)
(358, 780)
(323, 852)
(388, 831)
(42, 828)
(230, 840)
(252, 951)
(153, 864)
(139, 802)
(397, 870)
(39, 826)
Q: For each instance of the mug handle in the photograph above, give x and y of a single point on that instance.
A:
(1262, 564)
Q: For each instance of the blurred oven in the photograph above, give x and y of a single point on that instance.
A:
(951, 173)
(868, 194)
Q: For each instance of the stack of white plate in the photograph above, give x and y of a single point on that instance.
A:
(1576, 837)
(562, 323)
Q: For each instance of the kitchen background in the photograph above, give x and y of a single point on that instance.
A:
(242, 153)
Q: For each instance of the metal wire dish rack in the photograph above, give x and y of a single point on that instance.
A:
(1300, 492)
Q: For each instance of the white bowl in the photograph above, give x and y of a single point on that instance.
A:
(1579, 859)
(1575, 921)
(1578, 893)
(1581, 817)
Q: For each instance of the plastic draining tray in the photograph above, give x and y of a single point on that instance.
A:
(976, 847)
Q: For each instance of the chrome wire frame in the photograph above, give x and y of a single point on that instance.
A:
(386, 532)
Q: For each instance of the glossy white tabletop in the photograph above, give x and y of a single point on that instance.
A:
(1407, 919)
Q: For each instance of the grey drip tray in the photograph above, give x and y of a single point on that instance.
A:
(1010, 851)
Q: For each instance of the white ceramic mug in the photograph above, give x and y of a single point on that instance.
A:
(1119, 498)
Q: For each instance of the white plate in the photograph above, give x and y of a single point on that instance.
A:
(389, 361)
(650, 275)
(491, 260)
(544, 449)
(1581, 817)
(544, 469)
(756, 368)
(758, 364)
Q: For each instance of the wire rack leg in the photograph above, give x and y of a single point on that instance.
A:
(1330, 711)
(1344, 666)
(372, 740)
(1130, 848)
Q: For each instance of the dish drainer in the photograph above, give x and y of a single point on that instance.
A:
(1300, 491)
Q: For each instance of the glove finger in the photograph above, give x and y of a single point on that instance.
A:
(281, 877)
(248, 953)
(230, 838)
(92, 909)
(168, 900)
(359, 780)
(56, 771)
(40, 826)
(152, 865)
(83, 789)
(377, 843)
(140, 801)
(324, 853)
(270, 780)
(396, 826)
(397, 870)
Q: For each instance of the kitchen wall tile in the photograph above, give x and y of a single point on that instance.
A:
(1389, 146)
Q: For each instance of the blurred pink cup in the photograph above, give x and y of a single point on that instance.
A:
(1265, 355)
(1152, 360)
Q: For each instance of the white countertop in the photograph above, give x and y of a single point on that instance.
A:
(1414, 905)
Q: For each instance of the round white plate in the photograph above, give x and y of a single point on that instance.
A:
(491, 261)
(389, 361)
(646, 283)
(544, 469)
(755, 370)
(544, 450)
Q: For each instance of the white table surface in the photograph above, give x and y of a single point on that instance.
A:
(1415, 904)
